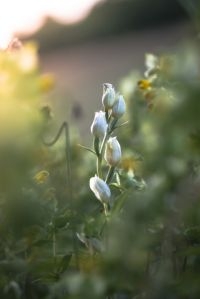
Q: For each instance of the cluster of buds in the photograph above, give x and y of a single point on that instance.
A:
(106, 146)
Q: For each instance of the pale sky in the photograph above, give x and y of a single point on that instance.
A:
(28, 15)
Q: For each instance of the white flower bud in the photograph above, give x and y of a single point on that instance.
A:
(119, 107)
(108, 98)
(113, 151)
(100, 189)
(99, 125)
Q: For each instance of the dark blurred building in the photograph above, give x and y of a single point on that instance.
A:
(111, 17)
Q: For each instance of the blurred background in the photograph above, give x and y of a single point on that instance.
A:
(85, 43)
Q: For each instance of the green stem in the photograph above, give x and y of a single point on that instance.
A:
(57, 136)
(106, 136)
(87, 148)
(100, 156)
(99, 170)
(105, 227)
(110, 174)
(54, 233)
(54, 244)
(105, 209)
(104, 143)
(68, 158)
(113, 125)
(70, 188)
(96, 145)
(107, 115)
(64, 127)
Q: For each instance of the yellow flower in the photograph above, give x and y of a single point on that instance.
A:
(144, 84)
(131, 164)
(46, 82)
(41, 177)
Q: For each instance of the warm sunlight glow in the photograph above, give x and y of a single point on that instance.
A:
(27, 16)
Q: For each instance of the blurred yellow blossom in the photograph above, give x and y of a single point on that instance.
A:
(144, 84)
(27, 58)
(130, 163)
(20, 94)
(41, 177)
(46, 82)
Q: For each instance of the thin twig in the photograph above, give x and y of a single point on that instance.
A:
(64, 127)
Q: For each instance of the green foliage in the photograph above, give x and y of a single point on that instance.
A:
(57, 240)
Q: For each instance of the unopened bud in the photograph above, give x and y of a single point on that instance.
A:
(119, 107)
(99, 125)
(100, 189)
(113, 151)
(108, 98)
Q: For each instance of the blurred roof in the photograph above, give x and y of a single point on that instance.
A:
(107, 18)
